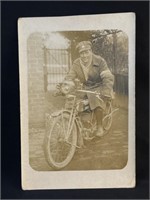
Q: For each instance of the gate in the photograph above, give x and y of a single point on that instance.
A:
(57, 64)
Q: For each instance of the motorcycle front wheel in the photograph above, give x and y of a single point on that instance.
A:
(59, 151)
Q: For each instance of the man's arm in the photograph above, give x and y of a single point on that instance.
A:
(71, 74)
(107, 78)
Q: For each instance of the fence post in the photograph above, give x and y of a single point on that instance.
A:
(69, 57)
(45, 69)
(114, 52)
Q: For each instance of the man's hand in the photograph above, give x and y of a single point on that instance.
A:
(58, 86)
(57, 92)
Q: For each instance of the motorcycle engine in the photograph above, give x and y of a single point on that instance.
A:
(86, 118)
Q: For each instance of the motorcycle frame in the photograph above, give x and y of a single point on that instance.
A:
(74, 118)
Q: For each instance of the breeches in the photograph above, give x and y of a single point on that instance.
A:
(94, 102)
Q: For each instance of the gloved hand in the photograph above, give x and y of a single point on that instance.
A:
(106, 93)
(58, 86)
(57, 92)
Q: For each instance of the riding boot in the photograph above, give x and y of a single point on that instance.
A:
(99, 115)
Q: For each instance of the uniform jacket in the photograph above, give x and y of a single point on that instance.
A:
(99, 77)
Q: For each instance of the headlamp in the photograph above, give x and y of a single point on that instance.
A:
(67, 87)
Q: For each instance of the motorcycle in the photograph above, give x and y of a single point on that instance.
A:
(73, 125)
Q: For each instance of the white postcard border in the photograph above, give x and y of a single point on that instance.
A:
(32, 179)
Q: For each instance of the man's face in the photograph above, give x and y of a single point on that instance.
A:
(85, 56)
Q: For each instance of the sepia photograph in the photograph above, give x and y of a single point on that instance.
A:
(78, 93)
(77, 101)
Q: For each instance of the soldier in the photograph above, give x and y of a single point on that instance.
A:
(93, 72)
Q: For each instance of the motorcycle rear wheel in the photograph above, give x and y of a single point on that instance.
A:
(59, 152)
(107, 120)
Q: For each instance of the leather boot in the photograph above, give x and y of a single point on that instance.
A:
(99, 115)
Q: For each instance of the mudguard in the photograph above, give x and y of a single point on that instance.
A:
(57, 113)
(80, 142)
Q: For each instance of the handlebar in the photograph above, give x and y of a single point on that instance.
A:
(97, 94)
(87, 91)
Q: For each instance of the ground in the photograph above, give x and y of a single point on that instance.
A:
(110, 152)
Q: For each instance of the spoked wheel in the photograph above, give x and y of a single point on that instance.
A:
(58, 150)
(107, 120)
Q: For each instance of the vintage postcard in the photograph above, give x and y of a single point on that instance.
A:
(77, 98)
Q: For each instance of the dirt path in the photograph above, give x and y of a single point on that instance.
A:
(110, 152)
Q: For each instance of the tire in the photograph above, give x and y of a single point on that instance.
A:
(59, 153)
(107, 120)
